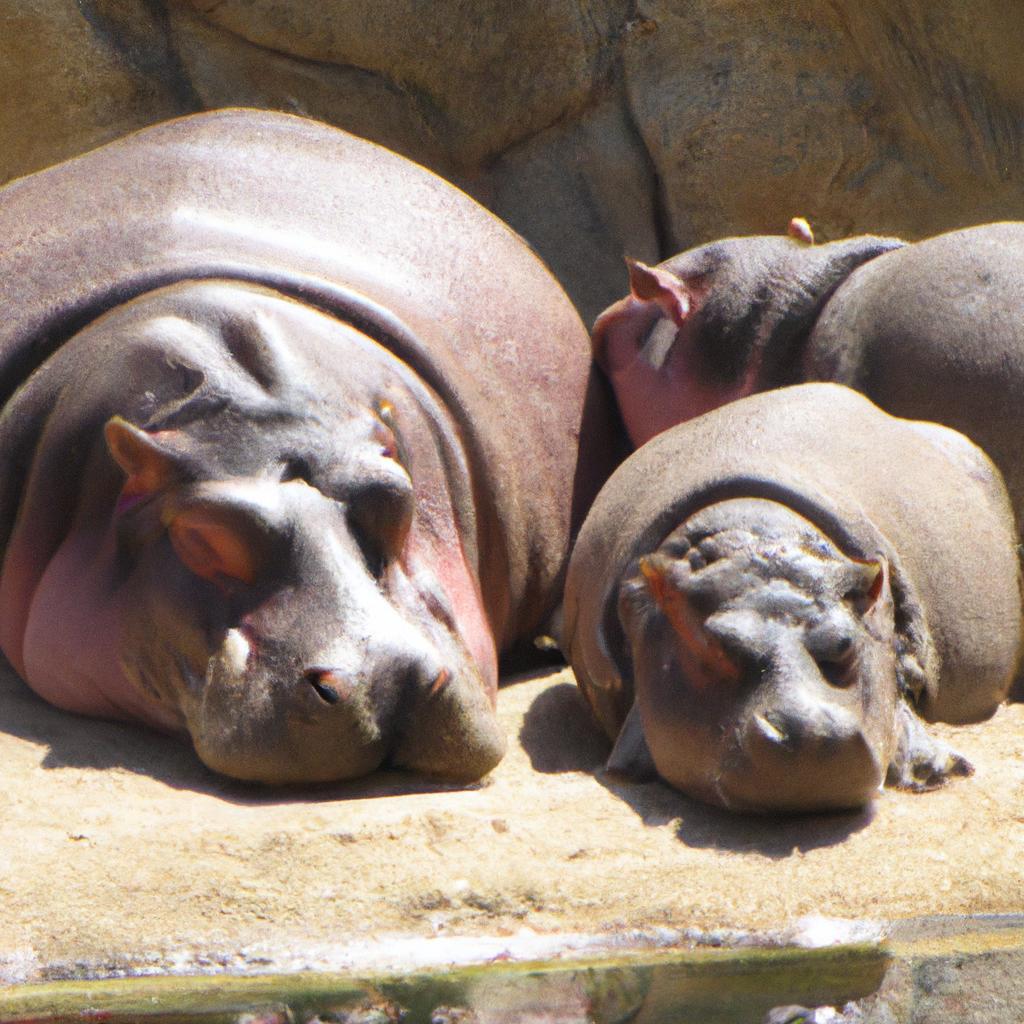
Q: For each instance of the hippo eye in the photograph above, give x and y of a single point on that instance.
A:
(380, 515)
(387, 433)
(834, 648)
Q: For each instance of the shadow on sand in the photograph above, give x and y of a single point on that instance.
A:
(560, 735)
(75, 741)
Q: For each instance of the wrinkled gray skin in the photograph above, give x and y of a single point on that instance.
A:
(929, 331)
(281, 461)
(766, 602)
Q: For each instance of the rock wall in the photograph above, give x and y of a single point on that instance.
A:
(596, 128)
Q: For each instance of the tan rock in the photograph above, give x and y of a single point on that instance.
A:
(902, 118)
(584, 194)
(597, 130)
(69, 84)
(483, 75)
(226, 69)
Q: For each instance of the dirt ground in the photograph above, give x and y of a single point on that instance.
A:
(119, 849)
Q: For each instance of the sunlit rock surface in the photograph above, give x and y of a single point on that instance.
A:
(595, 129)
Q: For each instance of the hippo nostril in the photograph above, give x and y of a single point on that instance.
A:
(318, 679)
(441, 680)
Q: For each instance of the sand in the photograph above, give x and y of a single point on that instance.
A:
(121, 851)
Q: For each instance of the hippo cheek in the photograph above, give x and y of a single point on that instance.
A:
(685, 712)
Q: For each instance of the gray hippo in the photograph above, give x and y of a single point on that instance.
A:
(931, 331)
(765, 601)
(288, 447)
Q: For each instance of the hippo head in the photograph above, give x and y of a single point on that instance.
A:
(291, 543)
(718, 322)
(763, 661)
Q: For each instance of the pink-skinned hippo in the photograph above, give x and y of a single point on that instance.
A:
(765, 601)
(932, 330)
(290, 447)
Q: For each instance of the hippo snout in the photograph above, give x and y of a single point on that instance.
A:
(804, 754)
(260, 716)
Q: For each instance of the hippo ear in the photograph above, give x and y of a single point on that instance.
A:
(214, 544)
(652, 284)
(149, 465)
(703, 657)
(875, 596)
(799, 230)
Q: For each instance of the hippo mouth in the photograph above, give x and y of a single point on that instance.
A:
(778, 766)
(414, 709)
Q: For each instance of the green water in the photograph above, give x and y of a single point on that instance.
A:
(726, 986)
(951, 970)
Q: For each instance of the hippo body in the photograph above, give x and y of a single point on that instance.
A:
(765, 601)
(935, 331)
(280, 460)
(931, 330)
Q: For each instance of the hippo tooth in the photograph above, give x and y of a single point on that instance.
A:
(235, 652)
(771, 732)
(658, 343)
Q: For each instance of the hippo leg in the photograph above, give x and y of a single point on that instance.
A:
(631, 756)
(920, 761)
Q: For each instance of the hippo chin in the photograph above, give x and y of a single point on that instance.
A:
(766, 602)
(258, 480)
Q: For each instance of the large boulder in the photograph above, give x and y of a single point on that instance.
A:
(601, 130)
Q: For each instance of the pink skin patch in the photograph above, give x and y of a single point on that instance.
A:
(77, 666)
(651, 362)
(448, 564)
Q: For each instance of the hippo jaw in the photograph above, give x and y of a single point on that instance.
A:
(763, 662)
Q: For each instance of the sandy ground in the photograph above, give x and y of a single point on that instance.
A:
(118, 847)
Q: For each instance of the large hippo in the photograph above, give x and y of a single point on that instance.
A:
(288, 449)
(932, 330)
(765, 601)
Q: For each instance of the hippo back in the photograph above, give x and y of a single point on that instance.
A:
(933, 331)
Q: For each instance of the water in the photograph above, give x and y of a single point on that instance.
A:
(930, 971)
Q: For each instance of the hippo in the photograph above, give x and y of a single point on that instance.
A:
(767, 602)
(930, 331)
(289, 447)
